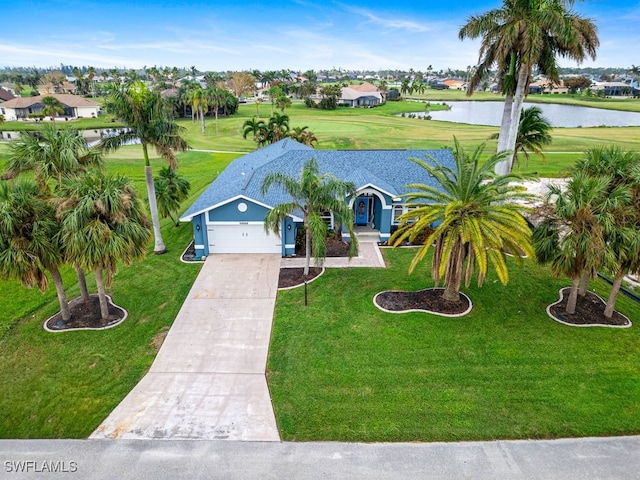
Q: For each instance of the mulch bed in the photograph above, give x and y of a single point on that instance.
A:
(335, 248)
(429, 300)
(86, 315)
(589, 311)
(293, 277)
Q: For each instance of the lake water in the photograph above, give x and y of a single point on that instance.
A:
(490, 113)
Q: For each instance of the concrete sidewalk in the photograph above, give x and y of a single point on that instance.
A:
(208, 379)
(571, 459)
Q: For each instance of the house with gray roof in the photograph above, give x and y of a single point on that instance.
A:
(229, 215)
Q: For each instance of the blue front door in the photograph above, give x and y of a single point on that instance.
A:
(362, 210)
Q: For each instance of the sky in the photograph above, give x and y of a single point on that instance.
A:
(300, 35)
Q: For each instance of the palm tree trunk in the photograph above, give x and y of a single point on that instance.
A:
(611, 301)
(102, 296)
(82, 283)
(307, 247)
(584, 283)
(518, 100)
(573, 295)
(201, 120)
(501, 168)
(216, 120)
(454, 277)
(65, 311)
(159, 247)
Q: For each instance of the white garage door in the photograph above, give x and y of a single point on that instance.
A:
(242, 238)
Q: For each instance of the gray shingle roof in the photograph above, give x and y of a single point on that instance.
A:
(388, 170)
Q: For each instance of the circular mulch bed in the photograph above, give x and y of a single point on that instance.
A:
(294, 277)
(86, 316)
(429, 300)
(589, 312)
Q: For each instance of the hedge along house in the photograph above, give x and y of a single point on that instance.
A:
(229, 215)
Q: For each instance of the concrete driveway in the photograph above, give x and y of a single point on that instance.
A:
(208, 379)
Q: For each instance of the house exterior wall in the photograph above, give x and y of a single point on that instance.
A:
(87, 112)
(231, 212)
(200, 235)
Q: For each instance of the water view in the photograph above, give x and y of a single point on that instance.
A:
(490, 113)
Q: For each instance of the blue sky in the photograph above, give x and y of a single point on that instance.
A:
(295, 34)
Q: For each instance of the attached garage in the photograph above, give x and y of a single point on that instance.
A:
(242, 238)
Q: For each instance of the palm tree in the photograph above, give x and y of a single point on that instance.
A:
(278, 127)
(171, 190)
(102, 223)
(623, 241)
(259, 130)
(216, 97)
(144, 113)
(574, 239)
(199, 102)
(28, 241)
(52, 107)
(534, 132)
(525, 34)
(313, 194)
(475, 219)
(302, 135)
(52, 156)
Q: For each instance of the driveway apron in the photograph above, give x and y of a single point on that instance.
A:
(208, 379)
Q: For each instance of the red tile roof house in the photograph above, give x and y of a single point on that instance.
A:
(74, 107)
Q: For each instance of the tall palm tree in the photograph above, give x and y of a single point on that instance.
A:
(526, 34)
(171, 190)
(313, 194)
(28, 239)
(145, 114)
(216, 97)
(102, 223)
(534, 133)
(199, 102)
(52, 107)
(474, 216)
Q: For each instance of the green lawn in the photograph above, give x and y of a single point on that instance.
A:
(62, 385)
(342, 370)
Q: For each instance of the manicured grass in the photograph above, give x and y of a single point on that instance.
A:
(62, 385)
(342, 370)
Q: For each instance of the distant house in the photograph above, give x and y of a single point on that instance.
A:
(74, 106)
(364, 95)
(6, 95)
(546, 86)
(456, 84)
(229, 215)
(617, 89)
